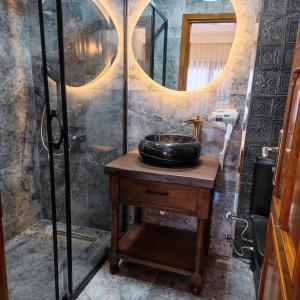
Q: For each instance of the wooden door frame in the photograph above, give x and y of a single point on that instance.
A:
(187, 21)
(291, 250)
(3, 274)
(286, 252)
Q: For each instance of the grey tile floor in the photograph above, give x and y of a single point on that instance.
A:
(136, 282)
(30, 259)
(30, 272)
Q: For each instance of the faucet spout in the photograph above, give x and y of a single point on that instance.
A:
(197, 122)
(187, 122)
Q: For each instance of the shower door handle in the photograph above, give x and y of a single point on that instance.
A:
(54, 115)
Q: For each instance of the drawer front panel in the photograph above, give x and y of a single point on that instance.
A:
(159, 194)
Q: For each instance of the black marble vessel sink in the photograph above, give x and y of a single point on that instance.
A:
(169, 150)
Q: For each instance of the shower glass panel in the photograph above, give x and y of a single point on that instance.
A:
(63, 117)
(87, 110)
(141, 41)
(150, 38)
(29, 234)
(95, 122)
(53, 209)
(159, 48)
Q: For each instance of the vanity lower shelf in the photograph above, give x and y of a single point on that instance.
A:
(160, 247)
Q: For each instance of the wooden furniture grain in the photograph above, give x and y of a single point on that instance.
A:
(183, 191)
(187, 21)
(281, 269)
(3, 276)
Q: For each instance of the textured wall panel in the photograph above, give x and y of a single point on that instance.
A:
(276, 43)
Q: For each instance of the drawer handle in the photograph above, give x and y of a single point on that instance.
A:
(151, 192)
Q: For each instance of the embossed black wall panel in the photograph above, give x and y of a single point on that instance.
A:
(276, 42)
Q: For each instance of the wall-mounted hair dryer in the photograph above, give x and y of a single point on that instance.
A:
(225, 119)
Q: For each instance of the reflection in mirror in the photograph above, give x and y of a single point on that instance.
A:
(184, 45)
(90, 38)
(150, 42)
(207, 53)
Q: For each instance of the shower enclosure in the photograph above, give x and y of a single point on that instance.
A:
(78, 124)
(150, 42)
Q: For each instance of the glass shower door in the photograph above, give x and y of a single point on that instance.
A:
(95, 122)
(53, 144)
(86, 112)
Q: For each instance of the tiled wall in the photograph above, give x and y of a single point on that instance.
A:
(154, 108)
(96, 108)
(278, 28)
(19, 165)
(151, 108)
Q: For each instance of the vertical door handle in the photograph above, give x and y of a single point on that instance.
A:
(54, 115)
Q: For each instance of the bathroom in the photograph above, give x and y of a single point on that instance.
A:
(83, 83)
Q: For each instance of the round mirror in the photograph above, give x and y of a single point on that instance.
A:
(184, 44)
(90, 40)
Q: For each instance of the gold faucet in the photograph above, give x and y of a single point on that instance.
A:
(197, 122)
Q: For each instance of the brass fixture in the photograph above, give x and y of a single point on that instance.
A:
(197, 122)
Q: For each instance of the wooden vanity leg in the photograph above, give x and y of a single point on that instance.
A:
(113, 256)
(114, 198)
(196, 278)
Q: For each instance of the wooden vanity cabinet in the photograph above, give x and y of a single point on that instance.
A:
(183, 191)
(282, 256)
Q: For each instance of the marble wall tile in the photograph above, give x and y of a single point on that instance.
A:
(155, 109)
(19, 165)
(97, 111)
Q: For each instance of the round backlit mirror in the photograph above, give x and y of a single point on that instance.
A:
(184, 44)
(90, 40)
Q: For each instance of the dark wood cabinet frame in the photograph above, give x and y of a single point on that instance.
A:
(187, 21)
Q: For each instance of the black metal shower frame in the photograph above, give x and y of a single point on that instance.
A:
(156, 10)
(72, 293)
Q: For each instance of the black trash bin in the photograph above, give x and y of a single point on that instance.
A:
(261, 204)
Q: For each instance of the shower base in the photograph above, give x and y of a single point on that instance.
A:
(30, 259)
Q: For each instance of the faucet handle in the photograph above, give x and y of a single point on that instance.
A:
(198, 119)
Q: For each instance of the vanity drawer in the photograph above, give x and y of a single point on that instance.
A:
(159, 194)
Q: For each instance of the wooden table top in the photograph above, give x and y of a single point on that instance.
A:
(130, 165)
